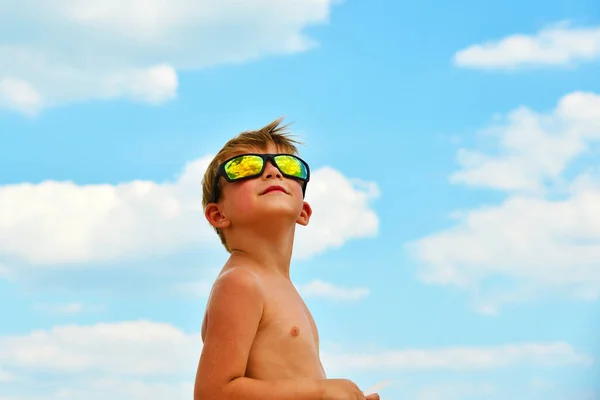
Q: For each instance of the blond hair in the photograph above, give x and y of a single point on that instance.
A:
(274, 133)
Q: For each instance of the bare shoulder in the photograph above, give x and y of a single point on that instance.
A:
(231, 286)
(234, 287)
(240, 280)
(232, 318)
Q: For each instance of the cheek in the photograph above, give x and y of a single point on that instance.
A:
(296, 188)
(238, 197)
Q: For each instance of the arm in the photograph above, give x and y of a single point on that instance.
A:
(233, 315)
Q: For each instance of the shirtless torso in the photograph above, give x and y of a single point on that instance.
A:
(260, 340)
(286, 345)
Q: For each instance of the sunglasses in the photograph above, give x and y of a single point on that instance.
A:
(248, 166)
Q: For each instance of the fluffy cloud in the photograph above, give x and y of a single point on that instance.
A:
(532, 148)
(68, 309)
(74, 50)
(6, 377)
(559, 45)
(62, 222)
(4, 274)
(341, 211)
(103, 388)
(115, 389)
(318, 288)
(125, 360)
(456, 391)
(139, 348)
(461, 358)
(194, 288)
(136, 359)
(19, 95)
(546, 234)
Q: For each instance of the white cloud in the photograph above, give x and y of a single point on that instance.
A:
(542, 384)
(99, 389)
(196, 288)
(73, 50)
(462, 358)
(558, 45)
(341, 211)
(19, 95)
(318, 288)
(69, 308)
(152, 349)
(124, 360)
(533, 148)
(5, 377)
(456, 391)
(545, 236)
(62, 222)
(140, 348)
(137, 359)
(4, 272)
(152, 85)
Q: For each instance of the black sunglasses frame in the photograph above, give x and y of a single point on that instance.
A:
(266, 158)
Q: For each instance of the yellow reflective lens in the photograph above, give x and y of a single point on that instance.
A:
(243, 166)
(291, 166)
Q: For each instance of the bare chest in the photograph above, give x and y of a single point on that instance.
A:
(287, 322)
(287, 340)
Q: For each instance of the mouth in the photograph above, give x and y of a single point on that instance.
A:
(274, 189)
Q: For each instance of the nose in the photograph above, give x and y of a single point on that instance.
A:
(271, 171)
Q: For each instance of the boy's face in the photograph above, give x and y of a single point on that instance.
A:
(266, 199)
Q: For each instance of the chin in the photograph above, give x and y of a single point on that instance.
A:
(285, 211)
(267, 209)
(278, 212)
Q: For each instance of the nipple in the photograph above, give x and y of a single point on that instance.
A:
(295, 331)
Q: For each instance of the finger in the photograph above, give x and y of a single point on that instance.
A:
(373, 396)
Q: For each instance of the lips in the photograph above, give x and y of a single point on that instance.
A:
(274, 189)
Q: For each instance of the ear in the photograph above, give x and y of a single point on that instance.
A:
(215, 216)
(304, 214)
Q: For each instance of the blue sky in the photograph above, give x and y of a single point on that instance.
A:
(455, 242)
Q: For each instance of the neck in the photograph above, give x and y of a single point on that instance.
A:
(270, 247)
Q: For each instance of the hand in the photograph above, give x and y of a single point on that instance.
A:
(373, 396)
(343, 389)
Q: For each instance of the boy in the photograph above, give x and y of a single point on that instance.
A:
(260, 340)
